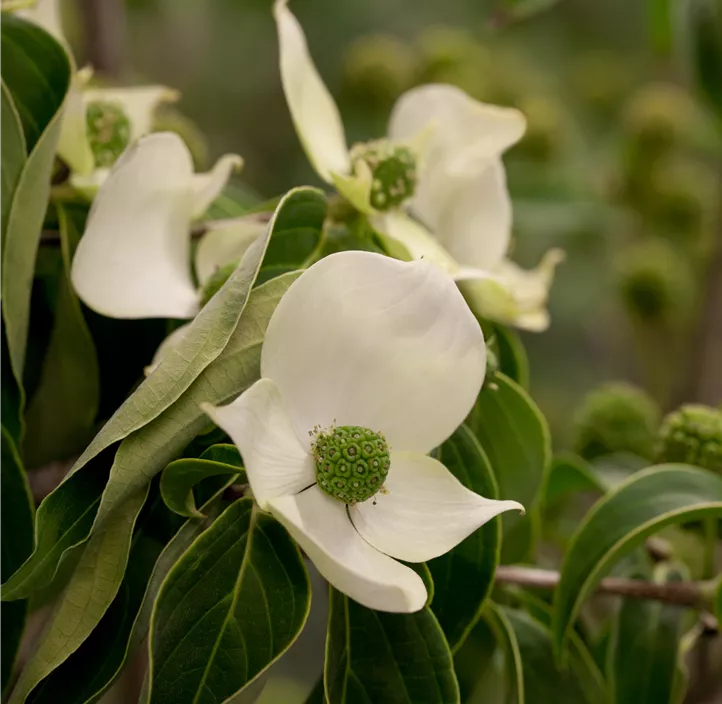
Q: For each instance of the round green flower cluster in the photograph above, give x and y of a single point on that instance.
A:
(692, 434)
(393, 172)
(351, 462)
(614, 418)
(108, 131)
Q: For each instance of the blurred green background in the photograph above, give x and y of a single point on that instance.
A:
(620, 166)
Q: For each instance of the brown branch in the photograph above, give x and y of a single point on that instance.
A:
(689, 594)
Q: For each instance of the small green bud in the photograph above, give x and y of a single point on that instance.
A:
(655, 282)
(108, 131)
(378, 69)
(168, 119)
(216, 281)
(692, 434)
(393, 172)
(351, 462)
(616, 417)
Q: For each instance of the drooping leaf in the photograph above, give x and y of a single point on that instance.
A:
(224, 453)
(621, 520)
(163, 416)
(544, 680)
(384, 658)
(61, 414)
(17, 543)
(228, 609)
(515, 437)
(36, 71)
(180, 476)
(644, 647)
(85, 599)
(14, 154)
(464, 576)
(570, 474)
(92, 668)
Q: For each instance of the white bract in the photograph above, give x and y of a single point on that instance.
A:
(133, 260)
(98, 123)
(441, 163)
(369, 347)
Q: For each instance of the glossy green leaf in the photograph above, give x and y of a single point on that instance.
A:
(515, 437)
(570, 474)
(16, 530)
(36, 71)
(180, 476)
(86, 598)
(384, 658)
(544, 680)
(511, 355)
(621, 520)
(14, 154)
(644, 647)
(61, 414)
(228, 609)
(464, 576)
(213, 365)
(503, 630)
(224, 453)
(125, 624)
(473, 660)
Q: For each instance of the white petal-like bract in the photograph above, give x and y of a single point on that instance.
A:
(424, 510)
(323, 530)
(277, 462)
(133, 260)
(362, 339)
(313, 110)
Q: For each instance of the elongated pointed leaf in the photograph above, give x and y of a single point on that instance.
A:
(61, 414)
(162, 426)
(644, 648)
(465, 575)
(570, 474)
(503, 630)
(92, 669)
(36, 71)
(228, 609)
(14, 154)
(621, 520)
(515, 437)
(372, 656)
(180, 476)
(17, 543)
(512, 357)
(85, 599)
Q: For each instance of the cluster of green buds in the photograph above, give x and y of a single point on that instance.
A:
(109, 131)
(616, 418)
(692, 434)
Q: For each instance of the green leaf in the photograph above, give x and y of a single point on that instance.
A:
(215, 361)
(180, 476)
(513, 360)
(61, 414)
(515, 437)
(36, 71)
(464, 576)
(14, 153)
(125, 624)
(85, 599)
(544, 680)
(501, 626)
(570, 474)
(621, 520)
(224, 453)
(473, 660)
(228, 609)
(17, 543)
(384, 658)
(644, 647)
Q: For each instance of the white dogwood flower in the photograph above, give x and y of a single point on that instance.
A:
(441, 163)
(98, 123)
(368, 364)
(133, 260)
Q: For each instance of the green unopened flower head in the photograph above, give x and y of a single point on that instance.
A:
(655, 282)
(378, 68)
(393, 172)
(216, 281)
(616, 417)
(692, 434)
(108, 131)
(351, 462)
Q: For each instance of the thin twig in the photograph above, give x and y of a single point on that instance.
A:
(688, 594)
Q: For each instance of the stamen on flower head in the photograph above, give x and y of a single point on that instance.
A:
(351, 462)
